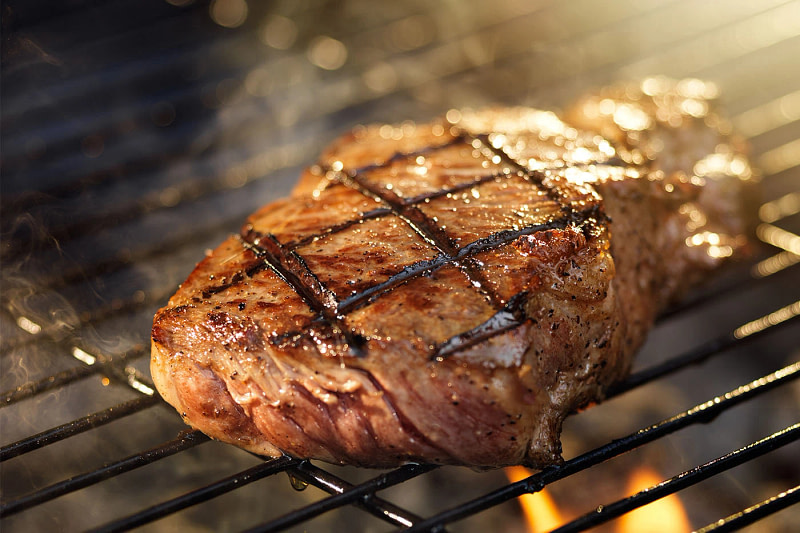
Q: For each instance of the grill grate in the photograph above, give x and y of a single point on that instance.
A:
(136, 134)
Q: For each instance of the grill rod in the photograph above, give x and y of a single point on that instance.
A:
(213, 490)
(702, 413)
(185, 441)
(76, 427)
(607, 512)
(512, 55)
(752, 514)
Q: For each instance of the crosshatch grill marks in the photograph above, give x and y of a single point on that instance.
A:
(294, 262)
(369, 215)
(350, 261)
(398, 156)
(291, 268)
(420, 268)
(535, 176)
(421, 223)
(507, 313)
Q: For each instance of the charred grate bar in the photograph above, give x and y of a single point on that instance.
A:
(69, 429)
(753, 514)
(699, 414)
(95, 176)
(222, 486)
(184, 442)
(347, 496)
(610, 511)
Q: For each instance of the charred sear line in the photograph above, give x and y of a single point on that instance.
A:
(423, 226)
(369, 215)
(255, 267)
(411, 215)
(473, 271)
(398, 156)
(427, 229)
(535, 176)
(292, 269)
(585, 220)
(509, 317)
(270, 250)
(411, 271)
(480, 180)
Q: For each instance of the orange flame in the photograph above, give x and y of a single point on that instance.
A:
(541, 512)
(666, 515)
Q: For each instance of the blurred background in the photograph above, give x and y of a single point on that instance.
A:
(136, 134)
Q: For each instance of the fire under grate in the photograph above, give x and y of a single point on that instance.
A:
(137, 134)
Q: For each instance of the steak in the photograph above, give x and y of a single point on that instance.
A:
(448, 292)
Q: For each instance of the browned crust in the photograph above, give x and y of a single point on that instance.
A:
(375, 318)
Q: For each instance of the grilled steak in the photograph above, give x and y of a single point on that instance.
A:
(449, 292)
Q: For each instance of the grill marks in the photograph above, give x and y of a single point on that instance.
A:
(422, 225)
(292, 269)
(330, 330)
(554, 192)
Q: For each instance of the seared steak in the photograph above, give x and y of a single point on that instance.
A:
(449, 292)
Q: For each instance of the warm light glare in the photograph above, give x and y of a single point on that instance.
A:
(779, 238)
(781, 158)
(381, 78)
(228, 13)
(665, 515)
(773, 319)
(769, 116)
(279, 32)
(29, 325)
(775, 264)
(83, 356)
(783, 207)
(327, 53)
(541, 512)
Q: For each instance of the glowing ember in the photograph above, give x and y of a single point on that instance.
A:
(541, 512)
(662, 516)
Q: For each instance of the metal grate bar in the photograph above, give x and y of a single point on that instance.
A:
(282, 157)
(712, 348)
(71, 228)
(184, 442)
(745, 333)
(213, 490)
(97, 315)
(752, 514)
(308, 473)
(607, 512)
(753, 278)
(591, 53)
(701, 413)
(76, 427)
(32, 388)
(124, 259)
(349, 496)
